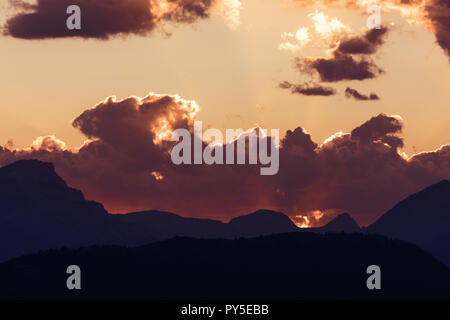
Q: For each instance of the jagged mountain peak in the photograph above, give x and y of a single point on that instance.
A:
(342, 223)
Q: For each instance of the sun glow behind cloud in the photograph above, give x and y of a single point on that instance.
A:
(301, 221)
(325, 26)
(161, 7)
(332, 137)
(323, 31)
(231, 13)
(164, 127)
(313, 219)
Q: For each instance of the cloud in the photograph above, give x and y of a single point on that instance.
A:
(308, 89)
(432, 14)
(20, 5)
(353, 93)
(231, 12)
(326, 27)
(101, 19)
(348, 57)
(125, 164)
(367, 43)
(349, 171)
(324, 30)
(349, 60)
(438, 13)
(150, 119)
(48, 143)
(339, 67)
(287, 46)
(380, 128)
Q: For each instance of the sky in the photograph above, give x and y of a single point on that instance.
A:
(233, 60)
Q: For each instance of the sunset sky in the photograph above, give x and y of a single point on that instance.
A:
(230, 62)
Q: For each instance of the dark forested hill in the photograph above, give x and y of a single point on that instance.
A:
(284, 266)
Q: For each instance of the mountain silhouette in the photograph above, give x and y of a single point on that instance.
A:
(284, 266)
(262, 222)
(39, 211)
(342, 223)
(422, 218)
(161, 255)
(147, 226)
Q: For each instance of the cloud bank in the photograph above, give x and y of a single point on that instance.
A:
(125, 164)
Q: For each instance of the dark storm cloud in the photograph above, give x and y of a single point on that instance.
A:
(101, 19)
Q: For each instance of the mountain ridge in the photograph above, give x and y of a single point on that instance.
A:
(422, 218)
(40, 211)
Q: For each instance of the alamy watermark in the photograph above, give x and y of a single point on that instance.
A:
(73, 22)
(213, 153)
(73, 282)
(374, 20)
(374, 281)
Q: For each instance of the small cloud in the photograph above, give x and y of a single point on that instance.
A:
(353, 93)
(339, 67)
(367, 43)
(48, 143)
(308, 89)
(287, 46)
